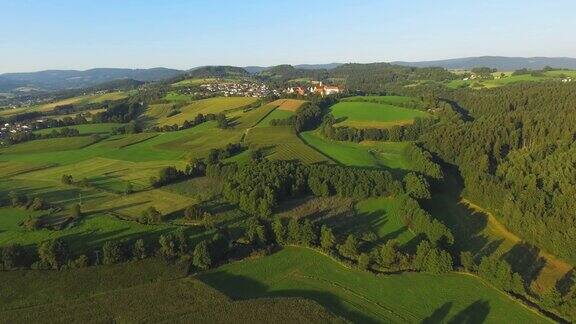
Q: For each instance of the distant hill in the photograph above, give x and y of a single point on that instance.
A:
(72, 79)
(219, 71)
(259, 69)
(501, 63)
(283, 73)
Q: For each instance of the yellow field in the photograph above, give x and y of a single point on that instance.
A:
(193, 82)
(206, 106)
(11, 168)
(84, 99)
(288, 104)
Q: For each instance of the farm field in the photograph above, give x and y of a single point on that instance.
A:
(281, 143)
(129, 293)
(189, 82)
(289, 104)
(87, 129)
(373, 115)
(50, 145)
(511, 79)
(206, 106)
(107, 174)
(365, 154)
(363, 297)
(276, 114)
(388, 100)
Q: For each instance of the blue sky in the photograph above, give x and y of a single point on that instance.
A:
(37, 35)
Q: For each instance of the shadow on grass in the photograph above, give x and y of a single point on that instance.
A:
(240, 287)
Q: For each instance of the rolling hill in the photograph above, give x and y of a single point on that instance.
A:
(501, 63)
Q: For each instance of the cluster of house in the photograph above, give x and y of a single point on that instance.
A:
(317, 87)
(568, 79)
(235, 89)
(6, 129)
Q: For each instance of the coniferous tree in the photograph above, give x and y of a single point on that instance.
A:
(327, 238)
(201, 256)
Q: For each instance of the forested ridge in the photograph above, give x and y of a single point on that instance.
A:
(517, 157)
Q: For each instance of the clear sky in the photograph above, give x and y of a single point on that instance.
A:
(82, 34)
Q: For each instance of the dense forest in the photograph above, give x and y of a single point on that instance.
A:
(516, 153)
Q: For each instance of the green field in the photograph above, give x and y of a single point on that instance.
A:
(276, 114)
(281, 143)
(388, 100)
(144, 291)
(363, 297)
(50, 145)
(206, 106)
(373, 115)
(366, 154)
(86, 129)
(508, 78)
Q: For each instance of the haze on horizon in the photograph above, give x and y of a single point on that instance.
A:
(39, 35)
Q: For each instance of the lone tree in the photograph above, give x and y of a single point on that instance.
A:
(12, 256)
(279, 231)
(327, 238)
(350, 247)
(67, 179)
(167, 245)
(139, 250)
(201, 257)
(113, 252)
(53, 253)
(76, 211)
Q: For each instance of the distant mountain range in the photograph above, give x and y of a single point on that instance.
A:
(71, 79)
(501, 63)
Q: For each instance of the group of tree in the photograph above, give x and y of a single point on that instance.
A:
(18, 200)
(420, 221)
(68, 179)
(24, 136)
(389, 257)
(396, 133)
(57, 254)
(257, 187)
(122, 111)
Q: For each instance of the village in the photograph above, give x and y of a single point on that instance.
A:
(231, 89)
(317, 88)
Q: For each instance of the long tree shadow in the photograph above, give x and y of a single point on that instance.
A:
(438, 315)
(466, 224)
(524, 259)
(476, 313)
(240, 287)
(567, 283)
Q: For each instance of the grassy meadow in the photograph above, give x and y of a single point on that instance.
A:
(130, 293)
(363, 297)
(361, 114)
(365, 154)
